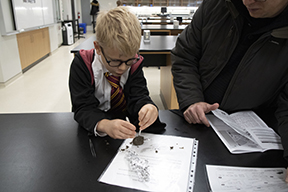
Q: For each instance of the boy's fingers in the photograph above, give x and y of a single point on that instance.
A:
(129, 125)
(127, 132)
(142, 114)
(143, 119)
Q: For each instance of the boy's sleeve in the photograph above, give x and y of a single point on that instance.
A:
(84, 103)
(137, 95)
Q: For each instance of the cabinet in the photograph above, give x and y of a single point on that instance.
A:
(32, 46)
(167, 91)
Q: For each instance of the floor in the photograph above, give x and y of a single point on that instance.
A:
(44, 87)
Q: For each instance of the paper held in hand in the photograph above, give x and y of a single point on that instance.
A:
(244, 132)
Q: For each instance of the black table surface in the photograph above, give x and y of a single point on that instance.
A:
(50, 152)
(157, 43)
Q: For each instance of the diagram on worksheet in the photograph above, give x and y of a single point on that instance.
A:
(161, 163)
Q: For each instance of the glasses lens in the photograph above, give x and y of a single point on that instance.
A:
(115, 63)
(128, 63)
(132, 61)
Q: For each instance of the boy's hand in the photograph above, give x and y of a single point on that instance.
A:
(195, 113)
(147, 115)
(117, 128)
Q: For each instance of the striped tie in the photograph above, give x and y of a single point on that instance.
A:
(118, 102)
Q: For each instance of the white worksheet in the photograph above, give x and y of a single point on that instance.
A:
(244, 179)
(169, 160)
(244, 132)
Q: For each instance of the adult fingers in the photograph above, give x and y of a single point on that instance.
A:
(187, 117)
(212, 107)
(203, 119)
(196, 113)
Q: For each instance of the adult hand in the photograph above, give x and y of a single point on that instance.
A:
(286, 179)
(196, 113)
(147, 115)
(117, 128)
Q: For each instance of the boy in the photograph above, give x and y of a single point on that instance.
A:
(107, 84)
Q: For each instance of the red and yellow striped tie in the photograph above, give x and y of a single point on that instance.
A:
(118, 101)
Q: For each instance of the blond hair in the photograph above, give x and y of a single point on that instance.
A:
(118, 29)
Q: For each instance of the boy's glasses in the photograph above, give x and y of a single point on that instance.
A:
(117, 63)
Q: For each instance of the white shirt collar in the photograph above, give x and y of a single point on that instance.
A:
(99, 69)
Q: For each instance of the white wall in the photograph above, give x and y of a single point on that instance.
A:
(9, 58)
(7, 15)
(10, 64)
(66, 12)
(107, 4)
(103, 5)
(77, 4)
(55, 35)
(29, 15)
(61, 9)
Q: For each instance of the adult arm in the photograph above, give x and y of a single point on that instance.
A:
(186, 76)
(185, 63)
(282, 118)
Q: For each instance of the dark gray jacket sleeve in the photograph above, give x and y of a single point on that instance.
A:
(185, 61)
(282, 118)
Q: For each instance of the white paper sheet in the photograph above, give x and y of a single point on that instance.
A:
(244, 132)
(169, 164)
(242, 179)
